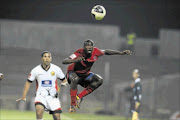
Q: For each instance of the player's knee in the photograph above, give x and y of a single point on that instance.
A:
(99, 80)
(39, 114)
(56, 116)
(74, 78)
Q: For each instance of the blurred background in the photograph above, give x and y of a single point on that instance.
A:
(150, 28)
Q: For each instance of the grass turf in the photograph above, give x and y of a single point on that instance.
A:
(30, 115)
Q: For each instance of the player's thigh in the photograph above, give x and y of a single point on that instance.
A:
(54, 105)
(40, 100)
(96, 78)
(56, 116)
(91, 79)
(39, 111)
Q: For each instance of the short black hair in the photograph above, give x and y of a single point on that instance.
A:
(88, 42)
(44, 53)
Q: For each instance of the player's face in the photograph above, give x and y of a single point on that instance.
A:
(88, 49)
(135, 75)
(1, 77)
(46, 59)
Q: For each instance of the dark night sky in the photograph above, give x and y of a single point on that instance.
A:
(145, 18)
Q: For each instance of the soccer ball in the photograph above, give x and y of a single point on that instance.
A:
(98, 12)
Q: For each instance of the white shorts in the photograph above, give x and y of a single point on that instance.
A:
(50, 103)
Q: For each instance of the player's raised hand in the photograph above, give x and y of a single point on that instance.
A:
(21, 99)
(64, 83)
(127, 52)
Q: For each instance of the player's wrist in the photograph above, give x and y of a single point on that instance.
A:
(23, 97)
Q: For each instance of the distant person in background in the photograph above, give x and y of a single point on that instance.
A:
(136, 96)
(46, 75)
(1, 76)
(130, 41)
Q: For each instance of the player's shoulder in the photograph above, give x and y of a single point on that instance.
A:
(97, 49)
(36, 68)
(138, 81)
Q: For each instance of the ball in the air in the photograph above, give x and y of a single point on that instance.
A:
(98, 12)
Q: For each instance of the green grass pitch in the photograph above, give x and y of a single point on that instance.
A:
(30, 115)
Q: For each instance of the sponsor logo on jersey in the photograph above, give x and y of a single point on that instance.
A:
(47, 83)
(52, 73)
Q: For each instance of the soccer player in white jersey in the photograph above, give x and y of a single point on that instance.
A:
(46, 75)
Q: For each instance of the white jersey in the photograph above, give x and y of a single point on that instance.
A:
(46, 80)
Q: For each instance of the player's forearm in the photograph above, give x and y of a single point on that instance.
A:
(68, 61)
(26, 89)
(113, 52)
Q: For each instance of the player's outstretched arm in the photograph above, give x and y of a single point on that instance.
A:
(26, 89)
(115, 52)
(69, 61)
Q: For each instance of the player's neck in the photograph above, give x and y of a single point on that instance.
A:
(88, 55)
(45, 67)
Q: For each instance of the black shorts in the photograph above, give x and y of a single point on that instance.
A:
(84, 80)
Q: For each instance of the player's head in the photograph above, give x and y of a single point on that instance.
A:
(46, 57)
(135, 74)
(88, 46)
(1, 76)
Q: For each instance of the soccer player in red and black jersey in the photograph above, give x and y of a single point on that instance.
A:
(78, 71)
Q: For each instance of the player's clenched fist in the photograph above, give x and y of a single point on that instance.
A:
(127, 52)
(79, 59)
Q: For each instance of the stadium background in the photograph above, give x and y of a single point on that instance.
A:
(29, 27)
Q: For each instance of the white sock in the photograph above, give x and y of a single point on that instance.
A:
(39, 119)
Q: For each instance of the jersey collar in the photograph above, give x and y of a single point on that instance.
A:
(44, 68)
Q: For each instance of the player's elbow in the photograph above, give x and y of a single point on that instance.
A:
(107, 52)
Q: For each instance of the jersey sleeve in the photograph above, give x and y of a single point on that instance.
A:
(75, 54)
(32, 75)
(99, 52)
(60, 74)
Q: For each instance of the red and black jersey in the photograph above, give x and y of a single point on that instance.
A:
(84, 67)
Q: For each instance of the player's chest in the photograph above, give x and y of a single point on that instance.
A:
(46, 75)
